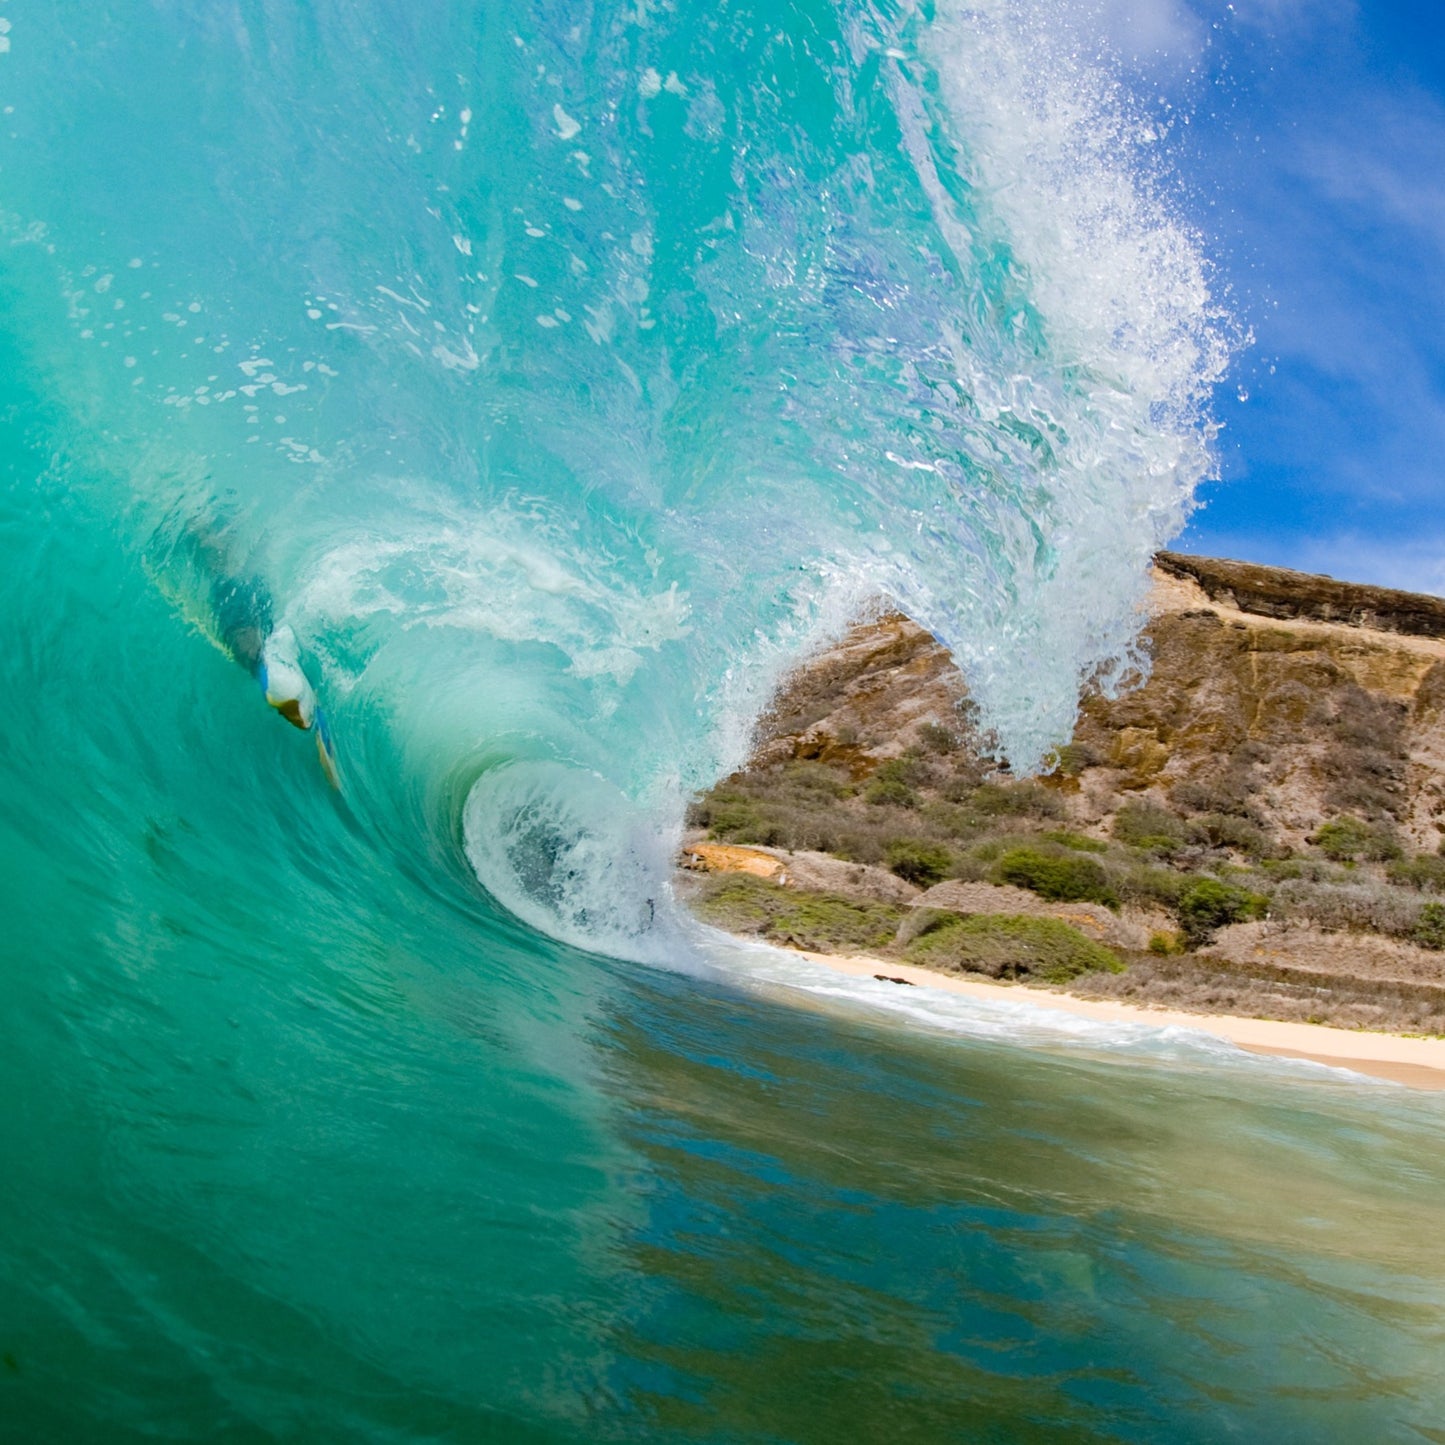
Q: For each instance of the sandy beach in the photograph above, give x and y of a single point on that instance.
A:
(1416, 1062)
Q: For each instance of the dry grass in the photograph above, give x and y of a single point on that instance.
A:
(1369, 906)
(1204, 985)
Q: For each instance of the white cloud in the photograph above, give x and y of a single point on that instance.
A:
(1156, 37)
(1302, 17)
(1347, 211)
(1382, 160)
(1152, 29)
(1417, 565)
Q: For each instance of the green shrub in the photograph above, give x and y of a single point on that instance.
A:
(1146, 825)
(1348, 838)
(805, 777)
(912, 772)
(1165, 944)
(792, 806)
(1345, 838)
(1227, 792)
(1228, 830)
(922, 863)
(1079, 842)
(1287, 869)
(1430, 930)
(734, 819)
(1366, 795)
(795, 805)
(1010, 946)
(860, 845)
(961, 787)
(952, 821)
(938, 739)
(1016, 800)
(1073, 758)
(1207, 905)
(1143, 884)
(796, 917)
(1065, 879)
(1426, 873)
(891, 791)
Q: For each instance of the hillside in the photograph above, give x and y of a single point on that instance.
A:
(1256, 828)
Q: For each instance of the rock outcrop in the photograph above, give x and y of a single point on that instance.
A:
(1293, 720)
(1292, 596)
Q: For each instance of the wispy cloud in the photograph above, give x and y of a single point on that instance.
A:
(1146, 35)
(1153, 29)
(1300, 18)
(1382, 163)
(1331, 204)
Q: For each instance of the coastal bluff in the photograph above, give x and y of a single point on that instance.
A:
(1286, 595)
(1256, 825)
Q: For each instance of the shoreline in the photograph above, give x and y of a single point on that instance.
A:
(1418, 1063)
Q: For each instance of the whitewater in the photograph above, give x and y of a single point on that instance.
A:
(557, 376)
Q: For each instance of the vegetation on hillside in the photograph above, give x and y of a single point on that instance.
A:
(797, 918)
(1009, 946)
(1265, 773)
(1001, 946)
(934, 814)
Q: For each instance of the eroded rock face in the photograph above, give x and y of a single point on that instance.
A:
(862, 700)
(1288, 723)
(1326, 699)
(1281, 593)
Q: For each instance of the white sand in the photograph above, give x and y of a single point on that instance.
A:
(1417, 1062)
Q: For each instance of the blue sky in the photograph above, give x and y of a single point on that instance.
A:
(1313, 161)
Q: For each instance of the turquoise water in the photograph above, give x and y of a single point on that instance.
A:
(560, 372)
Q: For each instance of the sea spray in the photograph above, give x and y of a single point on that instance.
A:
(974, 380)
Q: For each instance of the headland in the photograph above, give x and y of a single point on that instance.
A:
(1249, 839)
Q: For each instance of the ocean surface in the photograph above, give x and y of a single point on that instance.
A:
(558, 373)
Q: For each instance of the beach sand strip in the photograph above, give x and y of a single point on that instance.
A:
(1419, 1063)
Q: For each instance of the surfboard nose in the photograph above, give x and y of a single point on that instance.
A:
(290, 709)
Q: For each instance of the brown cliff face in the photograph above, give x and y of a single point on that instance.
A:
(862, 700)
(1286, 595)
(1286, 723)
(1289, 723)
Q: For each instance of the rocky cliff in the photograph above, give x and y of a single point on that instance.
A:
(1284, 595)
(1284, 758)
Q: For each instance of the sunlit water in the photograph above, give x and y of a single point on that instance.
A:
(560, 372)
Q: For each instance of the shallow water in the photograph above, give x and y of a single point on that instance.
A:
(307, 1134)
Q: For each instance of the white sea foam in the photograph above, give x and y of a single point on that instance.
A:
(1020, 1023)
(566, 852)
(512, 574)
